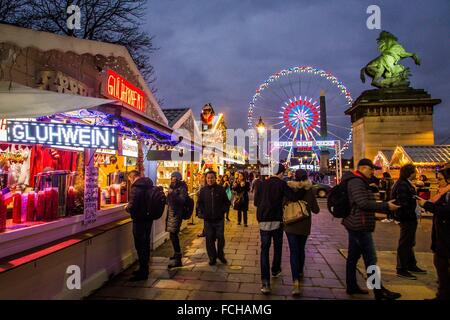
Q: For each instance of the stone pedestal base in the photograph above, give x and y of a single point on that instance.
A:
(385, 118)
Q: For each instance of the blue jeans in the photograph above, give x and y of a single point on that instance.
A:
(359, 243)
(297, 245)
(266, 239)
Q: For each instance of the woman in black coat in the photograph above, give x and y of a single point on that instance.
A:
(440, 236)
(241, 187)
(404, 193)
(176, 200)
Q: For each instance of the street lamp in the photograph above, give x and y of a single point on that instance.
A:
(261, 128)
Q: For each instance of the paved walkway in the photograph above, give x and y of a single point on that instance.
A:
(240, 279)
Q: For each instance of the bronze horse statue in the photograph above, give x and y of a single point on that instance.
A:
(385, 70)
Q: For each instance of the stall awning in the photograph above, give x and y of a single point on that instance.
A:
(19, 101)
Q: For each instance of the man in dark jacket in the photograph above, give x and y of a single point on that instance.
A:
(269, 202)
(142, 224)
(212, 204)
(255, 187)
(404, 193)
(360, 225)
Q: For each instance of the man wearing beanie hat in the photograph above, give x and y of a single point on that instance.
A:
(269, 202)
(176, 200)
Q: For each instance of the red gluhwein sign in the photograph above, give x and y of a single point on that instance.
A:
(118, 88)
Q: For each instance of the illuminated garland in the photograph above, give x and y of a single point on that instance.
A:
(302, 69)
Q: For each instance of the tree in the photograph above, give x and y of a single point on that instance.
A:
(114, 21)
(10, 10)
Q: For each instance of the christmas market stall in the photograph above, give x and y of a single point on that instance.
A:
(76, 117)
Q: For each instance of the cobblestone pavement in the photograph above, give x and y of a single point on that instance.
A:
(240, 279)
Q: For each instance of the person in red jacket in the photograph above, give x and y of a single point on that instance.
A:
(360, 225)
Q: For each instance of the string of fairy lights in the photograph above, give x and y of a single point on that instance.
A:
(129, 129)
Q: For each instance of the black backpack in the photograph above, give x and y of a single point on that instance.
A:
(156, 202)
(188, 209)
(337, 201)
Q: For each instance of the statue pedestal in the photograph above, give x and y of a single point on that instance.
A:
(385, 118)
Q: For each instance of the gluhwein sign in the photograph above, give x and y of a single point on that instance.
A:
(117, 87)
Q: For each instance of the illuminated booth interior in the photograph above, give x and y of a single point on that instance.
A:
(42, 164)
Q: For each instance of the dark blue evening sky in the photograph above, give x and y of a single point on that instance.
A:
(220, 51)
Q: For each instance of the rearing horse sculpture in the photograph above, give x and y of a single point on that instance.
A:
(385, 70)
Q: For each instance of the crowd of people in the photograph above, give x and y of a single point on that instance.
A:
(401, 202)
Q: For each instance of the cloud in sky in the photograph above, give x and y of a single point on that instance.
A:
(221, 51)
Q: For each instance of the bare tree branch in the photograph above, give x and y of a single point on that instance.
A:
(115, 21)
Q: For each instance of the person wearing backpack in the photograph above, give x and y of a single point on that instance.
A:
(212, 204)
(176, 202)
(241, 187)
(360, 224)
(297, 232)
(404, 192)
(142, 221)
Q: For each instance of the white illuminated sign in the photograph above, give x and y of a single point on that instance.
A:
(129, 148)
(325, 143)
(60, 134)
(106, 151)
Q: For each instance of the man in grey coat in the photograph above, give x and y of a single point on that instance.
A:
(360, 225)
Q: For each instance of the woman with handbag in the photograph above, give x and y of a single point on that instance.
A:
(241, 187)
(226, 184)
(298, 229)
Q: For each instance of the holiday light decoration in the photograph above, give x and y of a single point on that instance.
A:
(294, 111)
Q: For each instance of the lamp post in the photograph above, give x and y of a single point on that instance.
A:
(261, 128)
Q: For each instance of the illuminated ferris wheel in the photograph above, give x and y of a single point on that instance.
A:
(291, 101)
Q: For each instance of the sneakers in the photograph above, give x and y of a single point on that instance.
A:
(223, 260)
(176, 262)
(386, 220)
(296, 288)
(416, 269)
(406, 274)
(356, 290)
(276, 274)
(212, 262)
(265, 289)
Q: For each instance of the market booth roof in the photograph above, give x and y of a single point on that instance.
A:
(19, 101)
(428, 155)
(45, 41)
